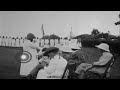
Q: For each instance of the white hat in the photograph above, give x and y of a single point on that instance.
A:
(74, 46)
(66, 49)
(103, 46)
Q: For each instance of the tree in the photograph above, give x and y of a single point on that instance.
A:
(65, 37)
(95, 32)
(84, 37)
(52, 36)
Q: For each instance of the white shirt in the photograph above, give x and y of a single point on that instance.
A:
(56, 68)
(3, 41)
(0, 41)
(104, 59)
(6, 41)
(21, 42)
(17, 43)
(30, 47)
(9, 41)
(13, 42)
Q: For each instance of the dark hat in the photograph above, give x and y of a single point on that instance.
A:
(30, 36)
(49, 50)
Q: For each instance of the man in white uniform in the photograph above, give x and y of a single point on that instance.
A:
(21, 42)
(13, 42)
(17, 42)
(3, 41)
(0, 40)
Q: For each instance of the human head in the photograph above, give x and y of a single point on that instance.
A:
(103, 47)
(51, 52)
(30, 36)
(65, 52)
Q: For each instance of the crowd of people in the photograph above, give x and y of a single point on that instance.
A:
(52, 62)
(11, 41)
(19, 41)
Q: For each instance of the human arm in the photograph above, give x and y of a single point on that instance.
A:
(51, 68)
(103, 59)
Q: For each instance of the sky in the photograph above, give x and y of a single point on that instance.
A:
(19, 23)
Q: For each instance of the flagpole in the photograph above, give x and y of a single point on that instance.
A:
(43, 35)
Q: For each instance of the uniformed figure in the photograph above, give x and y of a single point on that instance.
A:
(38, 41)
(13, 42)
(9, 41)
(25, 39)
(6, 41)
(0, 40)
(32, 48)
(21, 42)
(17, 42)
(46, 41)
(3, 41)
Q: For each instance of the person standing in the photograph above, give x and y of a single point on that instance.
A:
(13, 42)
(17, 42)
(21, 42)
(3, 41)
(6, 41)
(32, 48)
(9, 41)
(0, 40)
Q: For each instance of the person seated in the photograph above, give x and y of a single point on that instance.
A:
(74, 61)
(104, 59)
(43, 59)
(56, 66)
